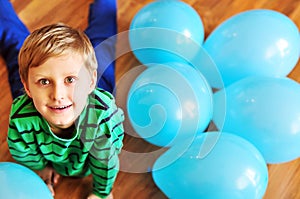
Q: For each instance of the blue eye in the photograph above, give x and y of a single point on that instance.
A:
(44, 81)
(70, 80)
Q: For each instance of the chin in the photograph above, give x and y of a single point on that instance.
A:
(63, 124)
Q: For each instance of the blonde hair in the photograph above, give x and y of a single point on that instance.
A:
(51, 41)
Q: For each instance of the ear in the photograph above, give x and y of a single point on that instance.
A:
(93, 81)
(26, 88)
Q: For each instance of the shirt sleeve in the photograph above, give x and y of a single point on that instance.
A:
(23, 149)
(104, 161)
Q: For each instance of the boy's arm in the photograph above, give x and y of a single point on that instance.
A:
(104, 160)
(104, 171)
(23, 149)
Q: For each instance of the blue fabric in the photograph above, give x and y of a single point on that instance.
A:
(102, 30)
(12, 35)
(102, 25)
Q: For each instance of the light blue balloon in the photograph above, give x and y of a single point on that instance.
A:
(255, 42)
(203, 62)
(19, 182)
(165, 31)
(167, 101)
(233, 169)
(265, 111)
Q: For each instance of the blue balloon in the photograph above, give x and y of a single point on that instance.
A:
(203, 62)
(167, 101)
(265, 111)
(19, 182)
(166, 31)
(233, 169)
(255, 42)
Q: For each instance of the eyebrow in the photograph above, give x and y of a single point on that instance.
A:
(64, 74)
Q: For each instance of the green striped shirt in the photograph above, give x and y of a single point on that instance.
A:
(93, 148)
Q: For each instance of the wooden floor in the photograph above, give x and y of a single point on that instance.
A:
(284, 179)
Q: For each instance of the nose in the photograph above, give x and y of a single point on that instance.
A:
(59, 92)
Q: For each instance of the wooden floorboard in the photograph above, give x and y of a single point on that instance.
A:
(284, 179)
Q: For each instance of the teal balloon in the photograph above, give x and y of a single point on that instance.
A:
(255, 42)
(19, 182)
(233, 169)
(169, 102)
(265, 111)
(166, 31)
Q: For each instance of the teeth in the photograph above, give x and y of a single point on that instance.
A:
(61, 107)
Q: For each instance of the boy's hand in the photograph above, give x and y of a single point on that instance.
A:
(50, 177)
(93, 196)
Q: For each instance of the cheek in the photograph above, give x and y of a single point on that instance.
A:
(39, 105)
(82, 87)
(80, 91)
(80, 96)
(79, 102)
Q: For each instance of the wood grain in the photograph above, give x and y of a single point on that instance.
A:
(284, 179)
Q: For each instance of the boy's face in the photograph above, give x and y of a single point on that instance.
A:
(59, 89)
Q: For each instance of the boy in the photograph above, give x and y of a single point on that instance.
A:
(63, 125)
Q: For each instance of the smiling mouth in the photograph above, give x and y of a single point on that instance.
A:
(59, 108)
